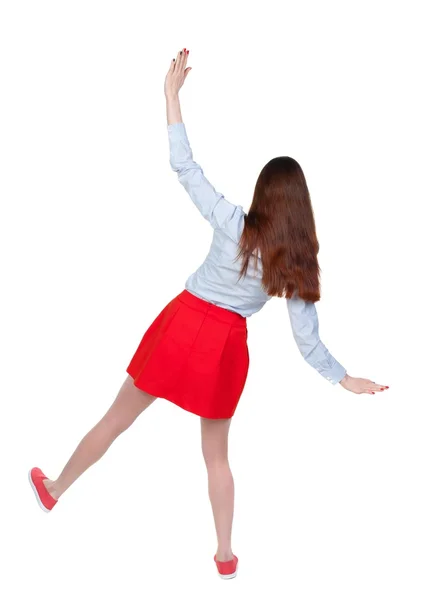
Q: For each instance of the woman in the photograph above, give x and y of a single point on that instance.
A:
(195, 351)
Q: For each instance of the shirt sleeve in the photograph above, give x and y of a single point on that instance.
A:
(211, 204)
(305, 326)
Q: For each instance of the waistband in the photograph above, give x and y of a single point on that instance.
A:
(223, 314)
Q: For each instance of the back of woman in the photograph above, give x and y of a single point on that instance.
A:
(271, 251)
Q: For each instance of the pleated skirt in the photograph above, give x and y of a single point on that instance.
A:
(195, 355)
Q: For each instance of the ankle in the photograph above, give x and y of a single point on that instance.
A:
(52, 488)
(224, 555)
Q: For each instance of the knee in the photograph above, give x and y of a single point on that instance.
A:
(114, 426)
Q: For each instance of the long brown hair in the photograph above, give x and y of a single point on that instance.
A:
(280, 224)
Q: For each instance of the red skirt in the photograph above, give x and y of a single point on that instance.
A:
(195, 355)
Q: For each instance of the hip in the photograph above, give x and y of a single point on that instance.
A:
(218, 313)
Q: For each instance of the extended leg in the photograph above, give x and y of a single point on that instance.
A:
(214, 439)
(128, 405)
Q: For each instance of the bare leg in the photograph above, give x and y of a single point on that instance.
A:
(128, 405)
(214, 439)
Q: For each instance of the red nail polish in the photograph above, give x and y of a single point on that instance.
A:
(372, 392)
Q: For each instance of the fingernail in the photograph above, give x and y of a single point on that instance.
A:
(180, 52)
(187, 52)
(372, 392)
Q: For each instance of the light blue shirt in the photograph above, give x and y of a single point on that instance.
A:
(217, 279)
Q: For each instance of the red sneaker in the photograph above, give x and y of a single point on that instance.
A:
(227, 569)
(43, 497)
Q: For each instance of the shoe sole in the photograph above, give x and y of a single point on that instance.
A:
(36, 493)
(231, 576)
(228, 576)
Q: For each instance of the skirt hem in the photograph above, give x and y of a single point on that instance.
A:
(146, 391)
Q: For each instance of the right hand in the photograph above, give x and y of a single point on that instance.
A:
(177, 73)
(358, 385)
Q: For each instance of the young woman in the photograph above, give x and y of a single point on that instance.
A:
(195, 351)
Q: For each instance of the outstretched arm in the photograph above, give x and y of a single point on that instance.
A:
(305, 327)
(211, 203)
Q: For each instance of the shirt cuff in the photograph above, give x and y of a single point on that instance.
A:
(179, 127)
(334, 374)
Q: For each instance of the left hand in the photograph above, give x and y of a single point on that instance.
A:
(358, 385)
(177, 73)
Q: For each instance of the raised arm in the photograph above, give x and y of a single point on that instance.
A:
(305, 327)
(212, 204)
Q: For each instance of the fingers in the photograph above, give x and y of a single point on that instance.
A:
(175, 61)
(182, 59)
(373, 387)
(366, 386)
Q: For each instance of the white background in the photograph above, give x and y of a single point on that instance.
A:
(97, 236)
